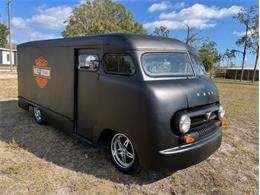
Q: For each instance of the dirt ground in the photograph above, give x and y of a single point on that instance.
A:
(38, 159)
(5, 73)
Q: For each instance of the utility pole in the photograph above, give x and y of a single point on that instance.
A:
(10, 42)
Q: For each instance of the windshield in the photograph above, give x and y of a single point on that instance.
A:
(167, 64)
(197, 66)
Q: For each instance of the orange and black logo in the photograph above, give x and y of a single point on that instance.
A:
(41, 71)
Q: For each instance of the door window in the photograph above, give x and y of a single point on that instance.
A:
(88, 62)
(119, 64)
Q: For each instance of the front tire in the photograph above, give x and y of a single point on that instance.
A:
(124, 155)
(38, 116)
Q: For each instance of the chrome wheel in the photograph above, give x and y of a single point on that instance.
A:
(122, 151)
(37, 114)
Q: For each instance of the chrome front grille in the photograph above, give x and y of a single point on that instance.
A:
(202, 131)
(203, 120)
(206, 128)
(200, 120)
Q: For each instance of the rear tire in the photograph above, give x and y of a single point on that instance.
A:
(37, 113)
(124, 155)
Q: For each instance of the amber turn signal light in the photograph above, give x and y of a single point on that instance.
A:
(224, 123)
(188, 139)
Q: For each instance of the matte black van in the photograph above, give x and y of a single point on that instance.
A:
(149, 97)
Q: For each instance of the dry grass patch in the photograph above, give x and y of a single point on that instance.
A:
(8, 88)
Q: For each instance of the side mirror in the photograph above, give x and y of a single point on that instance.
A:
(88, 62)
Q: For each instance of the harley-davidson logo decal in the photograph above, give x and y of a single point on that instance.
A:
(41, 71)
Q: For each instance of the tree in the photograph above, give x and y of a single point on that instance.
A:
(191, 38)
(101, 16)
(3, 35)
(161, 31)
(229, 55)
(254, 41)
(209, 55)
(244, 16)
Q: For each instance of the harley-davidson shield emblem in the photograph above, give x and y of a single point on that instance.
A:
(41, 72)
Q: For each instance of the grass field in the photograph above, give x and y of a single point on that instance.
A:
(41, 159)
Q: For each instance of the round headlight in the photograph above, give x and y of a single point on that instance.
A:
(184, 124)
(221, 112)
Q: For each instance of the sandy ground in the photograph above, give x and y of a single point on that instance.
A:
(5, 73)
(38, 159)
(8, 76)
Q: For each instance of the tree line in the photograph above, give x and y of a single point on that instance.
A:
(105, 16)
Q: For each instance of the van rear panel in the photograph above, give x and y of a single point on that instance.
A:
(46, 78)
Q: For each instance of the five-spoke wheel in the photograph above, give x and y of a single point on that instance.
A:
(123, 154)
(38, 115)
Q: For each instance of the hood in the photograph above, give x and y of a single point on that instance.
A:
(185, 93)
(200, 91)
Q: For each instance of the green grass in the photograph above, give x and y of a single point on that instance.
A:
(41, 159)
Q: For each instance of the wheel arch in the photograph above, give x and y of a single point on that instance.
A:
(105, 136)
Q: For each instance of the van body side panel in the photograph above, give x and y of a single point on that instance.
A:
(124, 107)
(56, 119)
(58, 94)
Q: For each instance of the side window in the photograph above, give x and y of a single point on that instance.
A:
(119, 64)
(197, 66)
(8, 57)
(88, 62)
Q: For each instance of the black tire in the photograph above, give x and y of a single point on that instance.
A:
(37, 113)
(123, 154)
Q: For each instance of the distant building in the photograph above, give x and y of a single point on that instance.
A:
(5, 55)
(235, 73)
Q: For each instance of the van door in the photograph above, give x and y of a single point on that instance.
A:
(87, 91)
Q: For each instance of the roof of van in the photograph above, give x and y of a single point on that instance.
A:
(126, 41)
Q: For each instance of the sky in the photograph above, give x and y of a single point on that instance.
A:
(44, 19)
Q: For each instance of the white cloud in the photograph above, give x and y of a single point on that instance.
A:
(178, 5)
(250, 32)
(35, 35)
(199, 23)
(201, 11)
(164, 5)
(168, 23)
(239, 33)
(45, 19)
(23, 32)
(19, 22)
(51, 18)
(173, 24)
(197, 16)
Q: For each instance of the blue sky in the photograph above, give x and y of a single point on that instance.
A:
(43, 19)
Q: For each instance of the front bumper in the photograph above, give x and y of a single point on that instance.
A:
(184, 156)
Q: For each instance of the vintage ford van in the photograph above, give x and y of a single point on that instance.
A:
(148, 97)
